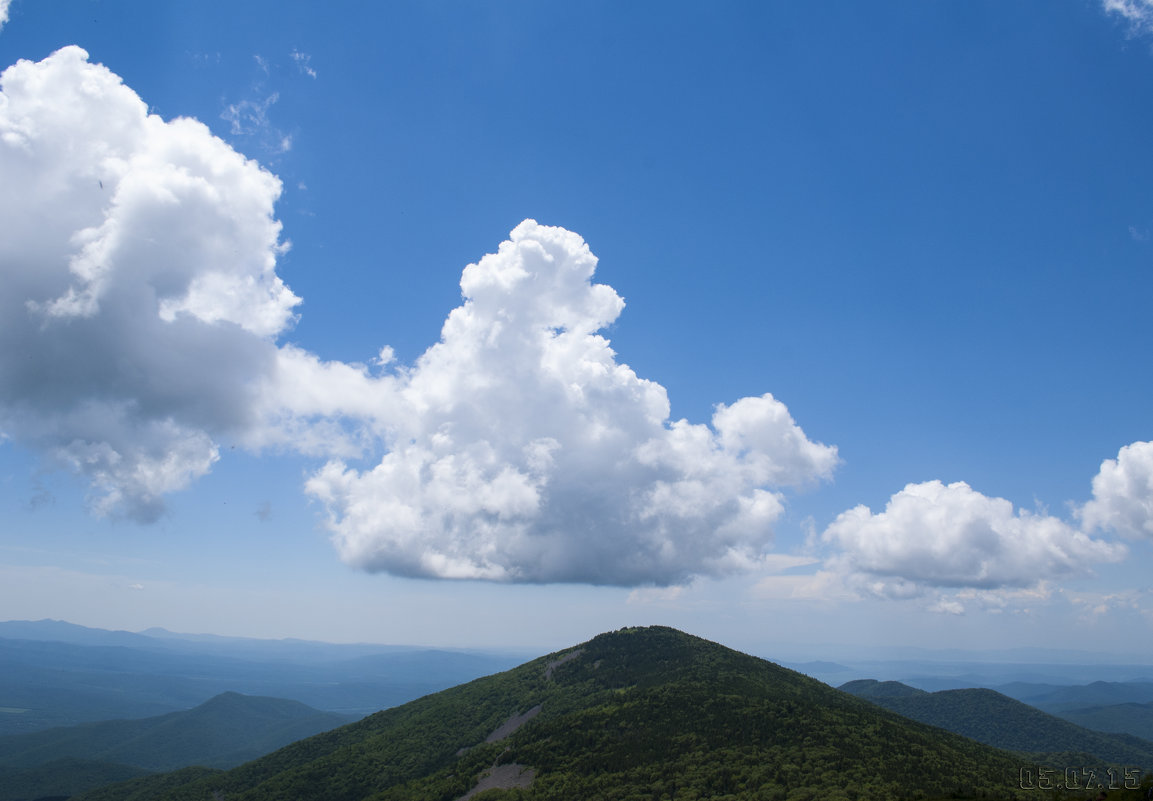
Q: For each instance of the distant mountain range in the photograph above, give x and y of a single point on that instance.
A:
(59, 674)
(633, 714)
(1119, 707)
(638, 713)
(225, 731)
(995, 719)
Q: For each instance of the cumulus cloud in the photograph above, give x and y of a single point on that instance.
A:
(934, 535)
(1123, 493)
(526, 452)
(139, 316)
(139, 302)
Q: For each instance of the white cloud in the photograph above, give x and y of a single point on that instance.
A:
(933, 535)
(1123, 493)
(525, 452)
(139, 301)
(304, 63)
(650, 595)
(250, 118)
(4, 4)
(947, 606)
(139, 312)
(823, 585)
(1139, 13)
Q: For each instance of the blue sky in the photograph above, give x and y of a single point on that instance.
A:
(904, 245)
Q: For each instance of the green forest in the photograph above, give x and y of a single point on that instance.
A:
(649, 714)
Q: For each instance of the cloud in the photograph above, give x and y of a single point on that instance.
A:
(1123, 493)
(823, 585)
(140, 310)
(934, 535)
(650, 595)
(947, 606)
(303, 63)
(250, 118)
(526, 452)
(1139, 13)
(4, 4)
(140, 303)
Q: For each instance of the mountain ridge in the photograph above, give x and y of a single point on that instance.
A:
(639, 712)
(995, 719)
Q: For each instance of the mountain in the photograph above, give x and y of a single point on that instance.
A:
(1099, 693)
(989, 717)
(62, 778)
(636, 713)
(223, 732)
(871, 688)
(62, 674)
(1129, 718)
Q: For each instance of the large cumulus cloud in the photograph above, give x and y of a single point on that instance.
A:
(140, 314)
(139, 303)
(935, 536)
(526, 452)
(1123, 493)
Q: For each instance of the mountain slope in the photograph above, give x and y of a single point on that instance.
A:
(871, 688)
(62, 778)
(989, 717)
(638, 713)
(222, 732)
(1129, 718)
(1099, 693)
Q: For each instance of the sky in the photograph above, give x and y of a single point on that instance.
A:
(790, 325)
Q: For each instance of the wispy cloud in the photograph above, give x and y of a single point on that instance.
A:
(1139, 13)
(250, 118)
(651, 595)
(4, 5)
(303, 63)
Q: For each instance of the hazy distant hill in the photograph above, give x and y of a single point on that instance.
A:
(222, 732)
(1110, 706)
(1131, 718)
(65, 674)
(871, 688)
(1098, 693)
(995, 719)
(635, 714)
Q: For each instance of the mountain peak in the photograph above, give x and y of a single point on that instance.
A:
(641, 711)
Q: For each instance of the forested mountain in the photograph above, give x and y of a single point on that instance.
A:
(1129, 718)
(60, 674)
(871, 688)
(62, 778)
(1056, 700)
(639, 713)
(995, 719)
(225, 731)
